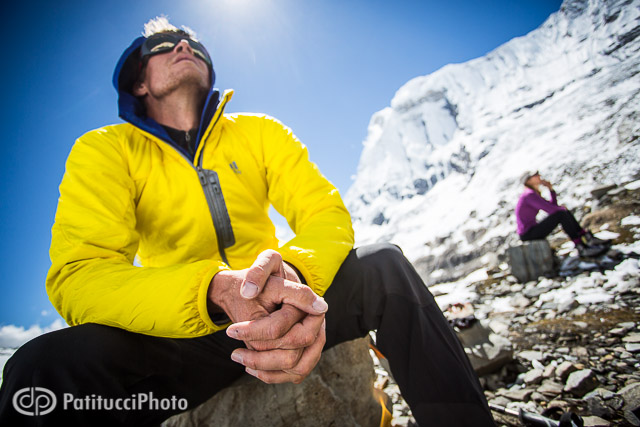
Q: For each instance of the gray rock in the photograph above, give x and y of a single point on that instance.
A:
(602, 190)
(550, 388)
(579, 311)
(339, 392)
(581, 382)
(580, 352)
(618, 332)
(533, 377)
(632, 338)
(549, 371)
(521, 395)
(500, 401)
(558, 404)
(601, 393)
(538, 397)
(567, 305)
(531, 260)
(593, 421)
(534, 292)
(631, 396)
(626, 325)
(564, 370)
(603, 403)
(486, 350)
(632, 347)
(532, 355)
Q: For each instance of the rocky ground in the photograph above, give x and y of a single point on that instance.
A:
(571, 343)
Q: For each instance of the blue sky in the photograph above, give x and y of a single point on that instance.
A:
(322, 67)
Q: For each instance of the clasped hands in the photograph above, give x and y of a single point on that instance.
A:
(280, 320)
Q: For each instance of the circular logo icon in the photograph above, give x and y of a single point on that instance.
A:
(34, 401)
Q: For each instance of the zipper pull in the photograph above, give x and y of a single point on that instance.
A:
(203, 177)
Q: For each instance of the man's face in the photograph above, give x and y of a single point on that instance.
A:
(177, 69)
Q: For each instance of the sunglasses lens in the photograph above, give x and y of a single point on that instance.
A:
(161, 43)
(162, 47)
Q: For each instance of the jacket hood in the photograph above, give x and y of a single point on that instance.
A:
(131, 110)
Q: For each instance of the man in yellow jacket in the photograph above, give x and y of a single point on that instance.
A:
(186, 189)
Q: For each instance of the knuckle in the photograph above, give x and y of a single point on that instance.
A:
(267, 379)
(308, 338)
(274, 331)
(290, 360)
(249, 362)
(323, 339)
(259, 345)
(256, 272)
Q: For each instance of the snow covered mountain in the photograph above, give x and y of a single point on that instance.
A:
(439, 172)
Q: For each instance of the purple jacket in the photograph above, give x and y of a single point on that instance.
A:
(529, 204)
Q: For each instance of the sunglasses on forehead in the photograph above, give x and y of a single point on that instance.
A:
(165, 42)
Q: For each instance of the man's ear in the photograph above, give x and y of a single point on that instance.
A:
(139, 89)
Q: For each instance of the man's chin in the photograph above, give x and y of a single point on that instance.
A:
(190, 81)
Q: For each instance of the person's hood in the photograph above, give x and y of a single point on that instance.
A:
(131, 110)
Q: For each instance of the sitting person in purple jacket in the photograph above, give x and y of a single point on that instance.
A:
(531, 202)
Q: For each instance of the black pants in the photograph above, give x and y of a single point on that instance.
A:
(376, 288)
(546, 226)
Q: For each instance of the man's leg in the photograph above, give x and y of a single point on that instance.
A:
(112, 363)
(377, 288)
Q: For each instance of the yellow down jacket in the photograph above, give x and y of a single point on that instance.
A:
(127, 192)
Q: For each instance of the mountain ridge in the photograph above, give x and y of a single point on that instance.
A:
(439, 169)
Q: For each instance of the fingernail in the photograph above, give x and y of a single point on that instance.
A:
(249, 290)
(236, 357)
(320, 305)
(233, 333)
(251, 372)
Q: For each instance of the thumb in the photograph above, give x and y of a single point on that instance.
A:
(268, 263)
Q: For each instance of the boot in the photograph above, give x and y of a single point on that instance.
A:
(590, 240)
(585, 251)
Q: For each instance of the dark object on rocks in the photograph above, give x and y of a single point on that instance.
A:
(463, 322)
(531, 260)
(338, 392)
(574, 265)
(460, 315)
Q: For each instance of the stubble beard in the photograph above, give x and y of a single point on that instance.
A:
(187, 81)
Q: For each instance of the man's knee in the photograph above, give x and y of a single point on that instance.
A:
(390, 272)
(33, 357)
(59, 354)
(380, 255)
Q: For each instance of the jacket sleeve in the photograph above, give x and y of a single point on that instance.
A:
(540, 202)
(94, 241)
(310, 203)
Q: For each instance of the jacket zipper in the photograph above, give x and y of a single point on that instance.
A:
(213, 193)
(219, 213)
(215, 200)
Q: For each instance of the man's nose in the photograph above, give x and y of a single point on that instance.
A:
(183, 45)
